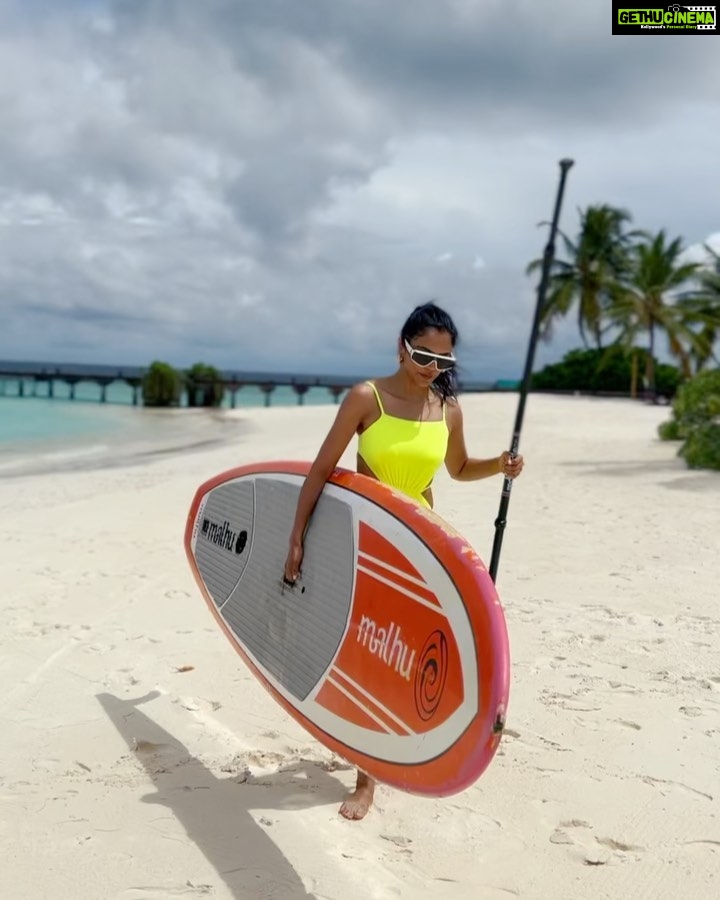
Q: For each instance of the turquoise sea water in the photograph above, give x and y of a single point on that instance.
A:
(38, 433)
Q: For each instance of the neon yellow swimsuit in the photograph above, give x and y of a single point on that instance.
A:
(404, 453)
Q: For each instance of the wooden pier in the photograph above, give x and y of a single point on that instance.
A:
(42, 378)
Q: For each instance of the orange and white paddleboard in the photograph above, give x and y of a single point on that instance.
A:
(391, 649)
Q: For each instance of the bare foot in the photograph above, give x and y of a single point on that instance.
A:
(359, 802)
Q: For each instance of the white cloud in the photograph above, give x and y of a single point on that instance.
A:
(228, 181)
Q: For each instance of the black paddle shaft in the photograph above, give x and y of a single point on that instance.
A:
(548, 255)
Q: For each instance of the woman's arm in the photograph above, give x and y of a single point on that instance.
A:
(461, 467)
(352, 411)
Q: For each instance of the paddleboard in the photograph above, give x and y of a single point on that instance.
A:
(391, 649)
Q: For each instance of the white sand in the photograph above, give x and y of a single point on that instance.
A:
(607, 781)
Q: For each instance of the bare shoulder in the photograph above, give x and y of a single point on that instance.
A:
(360, 400)
(453, 412)
(361, 394)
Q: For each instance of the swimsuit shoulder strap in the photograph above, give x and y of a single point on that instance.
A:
(377, 397)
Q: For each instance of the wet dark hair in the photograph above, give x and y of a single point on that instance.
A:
(429, 315)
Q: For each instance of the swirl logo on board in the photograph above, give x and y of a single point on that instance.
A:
(431, 675)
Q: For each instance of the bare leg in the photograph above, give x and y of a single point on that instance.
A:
(359, 802)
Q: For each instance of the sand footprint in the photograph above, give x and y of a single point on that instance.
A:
(628, 724)
(46, 764)
(622, 687)
(174, 890)
(562, 835)
(590, 849)
(127, 676)
(401, 842)
(707, 844)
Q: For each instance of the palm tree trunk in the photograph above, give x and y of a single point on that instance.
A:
(651, 363)
(581, 329)
(634, 375)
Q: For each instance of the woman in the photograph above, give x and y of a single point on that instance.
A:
(407, 424)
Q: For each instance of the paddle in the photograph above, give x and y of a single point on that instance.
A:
(549, 252)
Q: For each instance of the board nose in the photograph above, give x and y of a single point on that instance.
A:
(223, 538)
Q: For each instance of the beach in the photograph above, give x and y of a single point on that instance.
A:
(141, 760)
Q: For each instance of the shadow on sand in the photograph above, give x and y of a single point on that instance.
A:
(695, 480)
(215, 812)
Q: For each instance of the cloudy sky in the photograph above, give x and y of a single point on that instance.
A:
(276, 184)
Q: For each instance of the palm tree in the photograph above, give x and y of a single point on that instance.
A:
(596, 264)
(702, 308)
(648, 302)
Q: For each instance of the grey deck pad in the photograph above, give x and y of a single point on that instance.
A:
(223, 544)
(293, 632)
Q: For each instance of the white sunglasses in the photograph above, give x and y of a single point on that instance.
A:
(424, 358)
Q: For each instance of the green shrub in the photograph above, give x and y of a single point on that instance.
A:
(579, 371)
(669, 431)
(608, 370)
(204, 385)
(701, 450)
(161, 385)
(698, 400)
(668, 380)
(696, 420)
